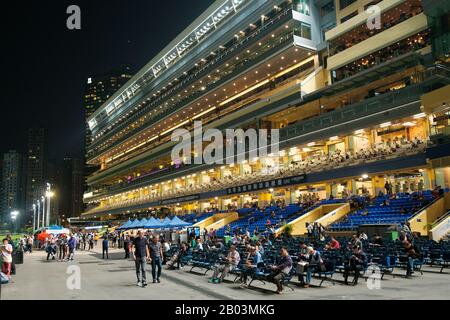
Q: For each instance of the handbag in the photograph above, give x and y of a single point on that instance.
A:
(322, 267)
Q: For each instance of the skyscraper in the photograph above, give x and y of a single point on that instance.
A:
(66, 177)
(13, 187)
(99, 88)
(77, 183)
(36, 166)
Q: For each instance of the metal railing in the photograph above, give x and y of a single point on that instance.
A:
(354, 111)
(202, 72)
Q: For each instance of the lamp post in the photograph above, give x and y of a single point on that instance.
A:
(48, 194)
(34, 217)
(43, 211)
(14, 215)
(38, 206)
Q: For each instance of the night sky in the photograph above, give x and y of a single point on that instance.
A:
(45, 65)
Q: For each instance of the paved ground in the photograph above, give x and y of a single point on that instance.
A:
(115, 279)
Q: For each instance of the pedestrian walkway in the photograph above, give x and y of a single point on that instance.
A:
(116, 279)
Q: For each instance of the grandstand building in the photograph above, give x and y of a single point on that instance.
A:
(356, 106)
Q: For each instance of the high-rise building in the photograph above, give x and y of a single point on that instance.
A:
(68, 187)
(77, 182)
(12, 193)
(36, 168)
(99, 88)
(358, 100)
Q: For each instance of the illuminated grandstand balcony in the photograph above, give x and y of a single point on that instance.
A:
(317, 159)
(240, 65)
(398, 93)
(287, 66)
(188, 78)
(353, 39)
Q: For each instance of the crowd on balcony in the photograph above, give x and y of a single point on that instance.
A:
(395, 50)
(314, 163)
(337, 45)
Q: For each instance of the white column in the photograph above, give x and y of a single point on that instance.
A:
(43, 211)
(34, 217)
(48, 212)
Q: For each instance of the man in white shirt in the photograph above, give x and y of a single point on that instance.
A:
(7, 250)
(232, 261)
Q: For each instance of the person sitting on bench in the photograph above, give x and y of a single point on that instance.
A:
(232, 260)
(412, 252)
(282, 270)
(251, 265)
(356, 263)
(311, 265)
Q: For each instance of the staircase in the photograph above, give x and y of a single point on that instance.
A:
(446, 237)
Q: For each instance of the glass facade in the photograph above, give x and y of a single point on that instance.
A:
(302, 6)
(303, 30)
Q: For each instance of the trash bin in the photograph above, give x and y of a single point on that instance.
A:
(392, 235)
(227, 239)
(17, 257)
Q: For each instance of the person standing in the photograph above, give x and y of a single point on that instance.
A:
(105, 247)
(166, 249)
(83, 238)
(140, 255)
(156, 254)
(91, 241)
(72, 243)
(7, 250)
(126, 246)
(61, 243)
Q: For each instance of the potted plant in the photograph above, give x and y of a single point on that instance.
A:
(287, 230)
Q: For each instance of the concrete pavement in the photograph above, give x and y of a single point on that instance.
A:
(115, 279)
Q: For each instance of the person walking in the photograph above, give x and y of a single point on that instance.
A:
(6, 250)
(156, 255)
(91, 241)
(105, 247)
(140, 255)
(126, 246)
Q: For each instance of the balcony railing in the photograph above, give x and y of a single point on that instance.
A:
(284, 171)
(353, 112)
(278, 20)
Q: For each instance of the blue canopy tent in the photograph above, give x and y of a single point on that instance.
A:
(153, 223)
(135, 224)
(125, 225)
(142, 223)
(165, 222)
(55, 227)
(177, 223)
